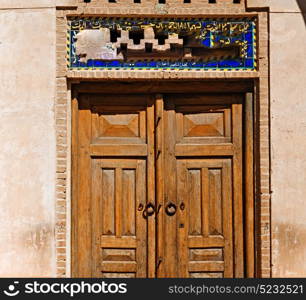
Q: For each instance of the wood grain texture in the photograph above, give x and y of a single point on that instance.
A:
(151, 186)
(209, 224)
(111, 232)
(167, 86)
(249, 186)
(129, 202)
(227, 224)
(170, 259)
(203, 150)
(84, 230)
(160, 181)
(74, 182)
(237, 190)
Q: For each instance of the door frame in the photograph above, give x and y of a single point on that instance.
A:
(157, 87)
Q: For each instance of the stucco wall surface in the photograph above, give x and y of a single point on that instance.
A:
(27, 151)
(12, 4)
(278, 5)
(288, 143)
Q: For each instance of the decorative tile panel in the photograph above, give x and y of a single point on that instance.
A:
(154, 43)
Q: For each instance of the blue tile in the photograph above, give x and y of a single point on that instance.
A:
(250, 51)
(249, 37)
(229, 64)
(249, 63)
(211, 65)
(207, 36)
(206, 42)
(99, 63)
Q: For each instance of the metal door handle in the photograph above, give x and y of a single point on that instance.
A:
(149, 210)
(170, 209)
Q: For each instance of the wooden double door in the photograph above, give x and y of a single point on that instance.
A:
(157, 185)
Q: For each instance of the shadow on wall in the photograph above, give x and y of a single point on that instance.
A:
(302, 6)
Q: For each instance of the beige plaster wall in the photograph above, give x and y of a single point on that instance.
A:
(278, 5)
(288, 143)
(27, 134)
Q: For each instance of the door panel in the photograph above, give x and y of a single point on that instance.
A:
(205, 217)
(203, 181)
(203, 124)
(112, 231)
(118, 190)
(118, 124)
(157, 186)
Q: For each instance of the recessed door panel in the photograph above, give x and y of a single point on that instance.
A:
(205, 217)
(118, 190)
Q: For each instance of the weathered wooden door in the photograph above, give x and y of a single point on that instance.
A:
(114, 174)
(157, 186)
